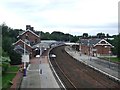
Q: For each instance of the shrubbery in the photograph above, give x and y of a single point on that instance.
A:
(4, 67)
(15, 58)
(5, 64)
(8, 38)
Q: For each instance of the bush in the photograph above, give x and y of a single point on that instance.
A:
(15, 58)
(5, 64)
(6, 59)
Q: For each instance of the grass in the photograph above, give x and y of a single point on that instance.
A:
(13, 69)
(113, 59)
(7, 77)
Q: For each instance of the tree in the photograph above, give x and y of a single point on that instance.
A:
(9, 37)
(85, 35)
(118, 45)
(15, 58)
(6, 43)
(107, 35)
(75, 39)
(57, 35)
(5, 64)
(101, 35)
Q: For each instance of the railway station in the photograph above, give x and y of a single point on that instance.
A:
(53, 70)
(53, 64)
(60, 44)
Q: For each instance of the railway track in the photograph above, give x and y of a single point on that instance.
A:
(77, 75)
(67, 82)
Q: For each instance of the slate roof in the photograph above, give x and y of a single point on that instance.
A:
(91, 41)
(30, 32)
(20, 50)
(45, 43)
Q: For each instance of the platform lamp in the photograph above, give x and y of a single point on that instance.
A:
(88, 48)
(24, 63)
(39, 44)
(109, 51)
(80, 46)
(25, 57)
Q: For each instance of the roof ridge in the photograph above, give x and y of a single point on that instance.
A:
(22, 41)
(29, 31)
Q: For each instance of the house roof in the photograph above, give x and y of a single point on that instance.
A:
(106, 43)
(20, 50)
(94, 42)
(30, 32)
(89, 42)
(20, 40)
(45, 43)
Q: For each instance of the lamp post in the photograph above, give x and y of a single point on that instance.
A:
(109, 56)
(40, 42)
(40, 50)
(25, 57)
(24, 63)
(75, 47)
(109, 51)
(80, 46)
(88, 49)
(90, 52)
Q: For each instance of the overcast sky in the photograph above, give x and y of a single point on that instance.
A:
(69, 16)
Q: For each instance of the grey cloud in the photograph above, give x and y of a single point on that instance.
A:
(28, 6)
(21, 6)
(98, 27)
(109, 25)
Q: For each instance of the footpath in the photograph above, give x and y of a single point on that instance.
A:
(106, 67)
(39, 75)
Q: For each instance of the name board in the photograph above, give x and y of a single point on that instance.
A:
(25, 58)
(94, 49)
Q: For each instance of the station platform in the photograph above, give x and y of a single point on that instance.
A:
(39, 74)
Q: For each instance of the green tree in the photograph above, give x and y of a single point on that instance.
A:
(5, 64)
(15, 58)
(118, 45)
(101, 35)
(107, 35)
(9, 37)
(75, 39)
(85, 35)
(6, 43)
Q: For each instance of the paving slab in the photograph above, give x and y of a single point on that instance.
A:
(39, 75)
